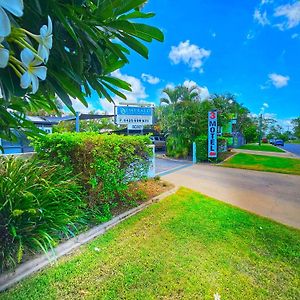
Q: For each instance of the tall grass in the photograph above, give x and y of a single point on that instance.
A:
(39, 204)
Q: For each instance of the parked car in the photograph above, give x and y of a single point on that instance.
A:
(272, 141)
(279, 142)
(158, 141)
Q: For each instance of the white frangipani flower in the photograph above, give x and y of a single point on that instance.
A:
(15, 7)
(217, 296)
(4, 55)
(45, 40)
(34, 71)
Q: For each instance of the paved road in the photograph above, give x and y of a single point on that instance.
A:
(276, 196)
(293, 148)
(163, 166)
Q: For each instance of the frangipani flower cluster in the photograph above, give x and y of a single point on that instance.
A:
(30, 68)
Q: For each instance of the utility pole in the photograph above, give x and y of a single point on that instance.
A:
(260, 129)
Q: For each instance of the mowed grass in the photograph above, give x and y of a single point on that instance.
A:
(262, 147)
(264, 163)
(187, 246)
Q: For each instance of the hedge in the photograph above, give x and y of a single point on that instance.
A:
(73, 182)
(104, 163)
(202, 147)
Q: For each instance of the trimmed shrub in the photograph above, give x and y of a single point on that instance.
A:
(201, 148)
(104, 163)
(39, 204)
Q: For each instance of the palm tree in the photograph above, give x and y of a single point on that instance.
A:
(180, 93)
(173, 95)
(191, 93)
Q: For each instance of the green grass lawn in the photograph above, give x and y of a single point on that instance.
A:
(187, 246)
(293, 142)
(264, 163)
(263, 147)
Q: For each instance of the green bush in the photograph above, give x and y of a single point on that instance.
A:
(177, 147)
(39, 204)
(104, 163)
(202, 147)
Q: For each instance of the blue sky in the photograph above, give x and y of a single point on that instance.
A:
(248, 48)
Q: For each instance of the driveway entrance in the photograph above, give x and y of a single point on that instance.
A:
(164, 166)
(273, 195)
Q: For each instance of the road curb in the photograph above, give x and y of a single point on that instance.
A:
(28, 268)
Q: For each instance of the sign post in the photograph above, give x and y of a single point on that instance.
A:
(212, 134)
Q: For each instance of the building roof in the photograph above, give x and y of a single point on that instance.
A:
(53, 120)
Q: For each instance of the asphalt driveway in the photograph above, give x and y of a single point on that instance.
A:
(293, 148)
(276, 196)
(167, 166)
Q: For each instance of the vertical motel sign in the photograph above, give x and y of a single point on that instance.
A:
(212, 134)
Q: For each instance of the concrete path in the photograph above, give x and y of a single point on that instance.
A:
(267, 153)
(276, 196)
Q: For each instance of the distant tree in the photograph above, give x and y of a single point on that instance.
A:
(275, 131)
(184, 120)
(251, 133)
(96, 125)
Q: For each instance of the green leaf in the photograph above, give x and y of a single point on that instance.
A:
(114, 90)
(136, 15)
(134, 44)
(118, 82)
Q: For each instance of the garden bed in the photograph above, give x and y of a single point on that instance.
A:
(146, 189)
(153, 189)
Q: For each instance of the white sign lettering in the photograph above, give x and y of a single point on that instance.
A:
(212, 134)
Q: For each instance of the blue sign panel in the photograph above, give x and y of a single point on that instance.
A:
(134, 111)
(134, 115)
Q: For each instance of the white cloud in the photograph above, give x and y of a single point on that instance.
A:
(190, 54)
(203, 91)
(137, 94)
(263, 2)
(138, 90)
(278, 80)
(295, 36)
(79, 107)
(261, 18)
(214, 35)
(266, 105)
(150, 79)
(292, 14)
(189, 83)
(170, 85)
